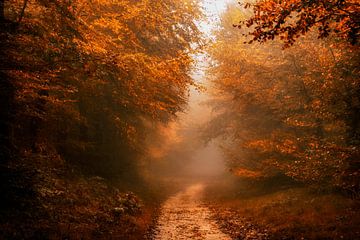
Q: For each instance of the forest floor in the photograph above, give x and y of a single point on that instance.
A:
(49, 201)
(292, 213)
(56, 203)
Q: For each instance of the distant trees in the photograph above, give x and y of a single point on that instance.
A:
(293, 111)
(88, 75)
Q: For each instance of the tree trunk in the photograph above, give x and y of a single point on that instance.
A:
(22, 12)
(2, 14)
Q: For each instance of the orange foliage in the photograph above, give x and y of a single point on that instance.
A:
(293, 111)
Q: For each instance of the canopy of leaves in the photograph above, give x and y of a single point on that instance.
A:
(88, 76)
(292, 112)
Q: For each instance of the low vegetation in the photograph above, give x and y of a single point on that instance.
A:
(264, 211)
(52, 201)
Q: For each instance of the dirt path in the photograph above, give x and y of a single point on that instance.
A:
(184, 216)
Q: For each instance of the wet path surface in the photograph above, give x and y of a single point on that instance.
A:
(184, 216)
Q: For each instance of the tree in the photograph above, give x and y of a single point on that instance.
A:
(88, 76)
(286, 111)
(290, 19)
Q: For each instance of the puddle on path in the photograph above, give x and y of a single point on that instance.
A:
(184, 216)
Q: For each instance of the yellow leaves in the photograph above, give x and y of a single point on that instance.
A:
(262, 145)
(316, 104)
(302, 122)
(246, 173)
(285, 109)
(110, 56)
(285, 146)
(153, 82)
(109, 22)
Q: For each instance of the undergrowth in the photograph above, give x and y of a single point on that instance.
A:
(45, 199)
(294, 212)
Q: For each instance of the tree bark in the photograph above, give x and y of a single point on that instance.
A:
(2, 13)
(22, 11)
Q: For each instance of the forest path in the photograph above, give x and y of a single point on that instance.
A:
(185, 216)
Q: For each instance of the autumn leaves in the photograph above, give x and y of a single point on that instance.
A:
(90, 75)
(289, 111)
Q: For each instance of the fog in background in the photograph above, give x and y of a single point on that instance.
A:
(180, 151)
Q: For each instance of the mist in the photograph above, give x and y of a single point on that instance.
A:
(168, 119)
(181, 151)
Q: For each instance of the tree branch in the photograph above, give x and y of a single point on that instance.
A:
(22, 12)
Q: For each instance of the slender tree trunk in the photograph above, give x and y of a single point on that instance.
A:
(6, 117)
(2, 14)
(308, 98)
(22, 11)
